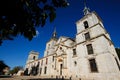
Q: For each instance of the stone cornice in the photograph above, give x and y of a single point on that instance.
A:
(92, 27)
(95, 38)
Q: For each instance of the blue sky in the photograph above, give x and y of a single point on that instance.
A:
(15, 53)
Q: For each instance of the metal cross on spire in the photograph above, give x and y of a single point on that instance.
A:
(86, 9)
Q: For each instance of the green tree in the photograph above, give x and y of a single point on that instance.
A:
(2, 66)
(15, 70)
(118, 52)
(23, 16)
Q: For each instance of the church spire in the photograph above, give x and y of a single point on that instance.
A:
(86, 9)
(54, 35)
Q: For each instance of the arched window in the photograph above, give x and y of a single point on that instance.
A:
(33, 57)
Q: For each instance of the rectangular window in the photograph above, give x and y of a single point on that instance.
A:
(74, 52)
(61, 66)
(87, 36)
(45, 71)
(117, 63)
(86, 24)
(93, 65)
(53, 58)
(89, 49)
(46, 60)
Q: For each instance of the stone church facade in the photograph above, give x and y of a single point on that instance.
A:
(90, 56)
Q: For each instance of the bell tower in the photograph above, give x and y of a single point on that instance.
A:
(50, 45)
(32, 56)
(95, 49)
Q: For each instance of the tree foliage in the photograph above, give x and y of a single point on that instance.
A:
(15, 70)
(2, 66)
(118, 52)
(21, 16)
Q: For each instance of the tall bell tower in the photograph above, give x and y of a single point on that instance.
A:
(50, 45)
(95, 49)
